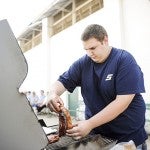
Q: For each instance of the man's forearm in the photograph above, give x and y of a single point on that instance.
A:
(57, 88)
(111, 111)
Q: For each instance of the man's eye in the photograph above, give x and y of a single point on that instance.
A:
(92, 48)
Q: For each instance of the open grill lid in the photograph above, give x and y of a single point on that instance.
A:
(19, 128)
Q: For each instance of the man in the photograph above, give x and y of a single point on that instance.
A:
(111, 82)
(41, 104)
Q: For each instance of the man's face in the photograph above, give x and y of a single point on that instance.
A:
(95, 49)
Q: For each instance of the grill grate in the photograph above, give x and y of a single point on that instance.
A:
(90, 142)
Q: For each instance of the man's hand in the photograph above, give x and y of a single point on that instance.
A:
(54, 103)
(80, 129)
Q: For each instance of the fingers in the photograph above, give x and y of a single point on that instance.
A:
(54, 104)
(51, 107)
(75, 135)
(79, 130)
(60, 101)
(74, 132)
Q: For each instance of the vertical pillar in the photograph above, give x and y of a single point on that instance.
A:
(73, 12)
(47, 32)
(45, 49)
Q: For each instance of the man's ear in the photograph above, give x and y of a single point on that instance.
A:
(105, 41)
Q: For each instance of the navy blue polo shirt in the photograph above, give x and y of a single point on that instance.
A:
(101, 82)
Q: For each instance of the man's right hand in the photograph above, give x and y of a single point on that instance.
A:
(54, 103)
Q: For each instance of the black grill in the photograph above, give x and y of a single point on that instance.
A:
(91, 142)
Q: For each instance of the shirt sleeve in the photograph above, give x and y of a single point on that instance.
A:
(71, 78)
(129, 79)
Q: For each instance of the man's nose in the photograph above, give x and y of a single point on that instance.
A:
(90, 53)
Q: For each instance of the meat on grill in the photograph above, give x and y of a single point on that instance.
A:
(65, 123)
(53, 138)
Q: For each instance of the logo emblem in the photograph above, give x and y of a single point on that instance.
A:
(109, 77)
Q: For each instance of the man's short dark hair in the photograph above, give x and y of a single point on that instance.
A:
(94, 31)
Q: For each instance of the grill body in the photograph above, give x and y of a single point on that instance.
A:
(91, 142)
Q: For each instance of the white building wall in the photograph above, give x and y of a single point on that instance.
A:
(37, 70)
(127, 23)
(136, 14)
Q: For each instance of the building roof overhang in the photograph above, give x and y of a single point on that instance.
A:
(36, 24)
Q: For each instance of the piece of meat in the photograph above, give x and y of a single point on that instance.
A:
(68, 118)
(65, 121)
(62, 124)
(53, 138)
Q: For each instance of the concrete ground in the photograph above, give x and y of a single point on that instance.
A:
(51, 120)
